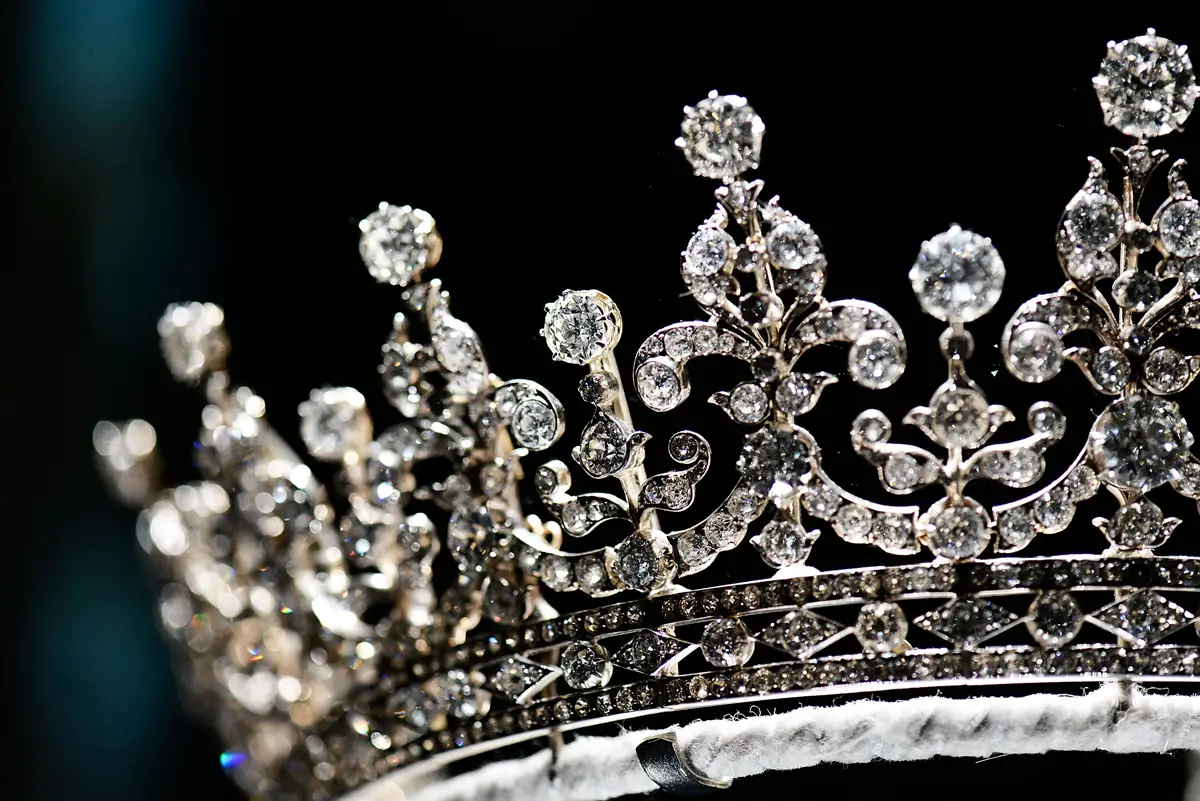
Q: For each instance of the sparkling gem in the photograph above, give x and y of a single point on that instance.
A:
(1146, 86)
(959, 417)
(1046, 418)
(1188, 481)
(721, 136)
(694, 547)
(1179, 227)
(581, 326)
(1140, 442)
(876, 360)
(853, 523)
(591, 574)
(412, 707)
(871, 426)
(801, 634)
(966, 622)
(651, 652)
(1135, 290)
(1167, 370)
(957, 276)
(1035, 353)
(456, 695)
(1054, 619)
(585, 665)
(1081, 483)
(958, 532)
(743, 504)
(748, 403)
(726, 642)
(783, 543)
(795, 393)
(658, 386)
(901, 471)
(398, 243)
(193, 339)
(708, 251)
(555, 572)
(642, 561)
(772, 454)
(1015, 529)
(504, 602)
(791, 244)
(1053, 509)
(535, 425)
(894, 534)
(1145, 617)
(1110, 368)
(881, 627)
(519, 678)
(678, 342)
(762, 309)
(1094, 220)
(821, 500)
(1138, 524)
(1090, 265)
(604, 447)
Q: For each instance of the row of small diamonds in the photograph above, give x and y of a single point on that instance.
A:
(1001, 665)
(868, 584)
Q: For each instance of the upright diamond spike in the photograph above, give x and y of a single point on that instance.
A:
(652, 652)
(1146, 617)
(521, 679)
(966, 622)
(802, 633)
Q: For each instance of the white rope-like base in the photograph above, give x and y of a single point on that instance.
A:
(1109, 719)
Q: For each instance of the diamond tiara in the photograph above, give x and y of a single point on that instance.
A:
(331, 651)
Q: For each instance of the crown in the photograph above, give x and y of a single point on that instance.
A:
(432, 614)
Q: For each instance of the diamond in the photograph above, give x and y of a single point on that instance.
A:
(895, 534)
(590, 573)
(708, 251)
(743, 504)
(853, 523)
(1090, 265)
(901, 471)
(783, 543)
(643, 561)
(1054, 509)
(727, 643)
(192, 336)
(455, 694)
(882, 627)
(772, 454)
(398, 243)
(1054, 619)
(520, 679)
(585, 665)
(959, 417)
(677, 342)
(1094, 220)
(535, 425)
(958, 532)
(605, 446)
(876, 360)
(957, 276)
(1179, 227)
(721, 530)
(1015, 529)
(721, 136)
(761, 309)
(581, 326)
(652, 652)
(658, 386)
(555, 572)
(821, 500)
(404, 364)
(1081, 483)
(1135, 290)
(1035, 353)
(1110, 368)
(797, 392)
(1146, 86)
(694, 548)
(1138, 524)
(504, 602)
(1140, 442)
(1144, 617)
(1167, 370)
(748, 403)
(802, 633)
(966, 622)
(792, 244)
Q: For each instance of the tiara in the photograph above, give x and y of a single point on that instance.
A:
(458, 598)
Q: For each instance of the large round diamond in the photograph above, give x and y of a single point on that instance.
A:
(581, 326)
(1146, 86)
(1140, 442)
(721, 136)
(957, 276)
(398, 243)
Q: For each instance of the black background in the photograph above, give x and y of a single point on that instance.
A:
(224, 152)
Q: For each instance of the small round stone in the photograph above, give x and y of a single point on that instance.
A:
(784, 544)
(585, 665)
(792, 244)
(1140, 442)
(821, 500)
(708, 251)
(1094, 220)
(727, 643)
(658, 385)
(853, 523)
(642, 561)
(398, 243)
(1167, 370)
(958, 532)
(894, 534)
(901, 471)
(591, 574)
(1082, 483)
(1146, 86)
(958, 275)
(794, 394)
(1137, 525)
(1054, 510)
(721, 136)
(882, 627)
(748, 403)
(1179, 228)
(334, 421)
(193, 340)
(1090, 265)
(1135, 290)
(876, 360)
(1035, 353)
(535, 425)
(556, 572)
(721, 530)
(959, 417)
(1110, 369)
(1054, 619)
(694, 548)
(581, 326)
(773, 454)
(1046, 418)
(871, 426)
(1015, 529)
